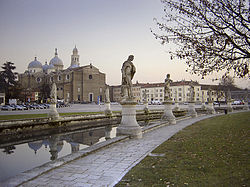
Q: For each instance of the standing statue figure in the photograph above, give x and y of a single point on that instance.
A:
(167, 91)
(192, 93)
(209, 92)
(107, 99)
(128, 72)
(229, 95)
(144, 95)
(53, 94)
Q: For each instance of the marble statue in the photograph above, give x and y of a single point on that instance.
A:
(192, 93)
(167, 91)
(128, 71)
(144, 95)
(209, 92)
(53, 94)
(107, 99)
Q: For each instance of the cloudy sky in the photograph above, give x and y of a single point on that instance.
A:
(104, 31)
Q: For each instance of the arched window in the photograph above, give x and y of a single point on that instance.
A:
(90, 77)
(38, 79)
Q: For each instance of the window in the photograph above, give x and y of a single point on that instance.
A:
(59, 78)
(156, 95)
(179, 89)
(67, 77)
(38, 79)
(90, 77)
(180, 94)
(61, 88)
(179, 99)
(160, 90)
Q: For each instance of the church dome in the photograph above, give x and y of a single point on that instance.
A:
(45, 66)
(36, 145)
(51, 66)
(56, 61)
(35, 64)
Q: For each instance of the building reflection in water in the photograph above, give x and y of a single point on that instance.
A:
(25, 156)
(54, 144)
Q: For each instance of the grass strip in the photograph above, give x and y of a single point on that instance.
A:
(30, 116)
(212, 152)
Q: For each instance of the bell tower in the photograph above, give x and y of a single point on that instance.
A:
(75, 58)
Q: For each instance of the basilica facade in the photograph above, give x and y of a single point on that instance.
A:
(74, 84)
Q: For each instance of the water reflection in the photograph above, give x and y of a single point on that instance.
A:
(17, 158)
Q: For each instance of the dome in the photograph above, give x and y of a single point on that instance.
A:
(35, 64)
(36, 145)
(51, 66)
(45, 67)
(56, 61)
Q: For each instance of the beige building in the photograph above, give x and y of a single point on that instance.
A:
(180, 92)
(116, 93)
(74, 84)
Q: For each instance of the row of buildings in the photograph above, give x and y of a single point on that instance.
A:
(87, 83)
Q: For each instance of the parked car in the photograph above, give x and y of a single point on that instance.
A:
(216, 103)
(17, 107)
(156, 102)
(237, 103)
(7, 107)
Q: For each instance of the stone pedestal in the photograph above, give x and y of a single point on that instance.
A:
(191, 109)
(203, 106)
(229, 106)
(53, 114)
(245, 107)
(168, 113)
(210, 108)
(108, 111)
(177, 107)
(146, 110)
(129, 125)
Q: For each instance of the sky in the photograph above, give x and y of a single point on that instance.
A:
(105, 33)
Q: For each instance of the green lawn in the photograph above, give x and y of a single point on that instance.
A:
(26, 116)
(212, 152)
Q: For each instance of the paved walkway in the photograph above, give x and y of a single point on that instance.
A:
(106, 167)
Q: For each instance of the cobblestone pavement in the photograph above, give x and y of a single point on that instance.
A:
(106, 167)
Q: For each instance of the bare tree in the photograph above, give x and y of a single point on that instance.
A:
(211, 35)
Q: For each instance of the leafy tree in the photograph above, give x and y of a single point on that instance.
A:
(8, 80)
(211, 35)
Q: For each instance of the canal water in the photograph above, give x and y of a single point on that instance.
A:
(17, 158)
